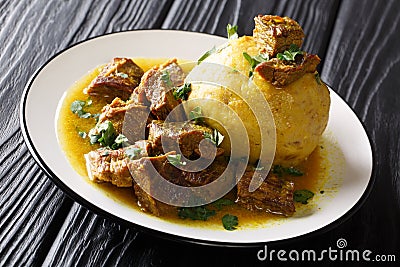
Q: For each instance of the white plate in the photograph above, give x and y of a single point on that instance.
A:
(47, 86)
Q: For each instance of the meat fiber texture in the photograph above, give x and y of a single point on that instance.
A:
(300, 109)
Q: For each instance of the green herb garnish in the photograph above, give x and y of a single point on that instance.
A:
(165, 77)
(232, 31)
(280, 171)
(230, 222)
(196, 213)
(222, 202)
(183, 91)
(318, 78)
(121, 74)
(255, 60)
(206, 55)
(176, 160)
(216, 137)
(196, 114)
(290, 54)
(302, 196)
(77, 108)
(133, 152)
(107, 136)
(82, 134)
(119, 141)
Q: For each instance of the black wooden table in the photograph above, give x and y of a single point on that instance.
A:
(358, 41)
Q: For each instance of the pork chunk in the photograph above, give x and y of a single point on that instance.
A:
(117, 79)
(275, 195)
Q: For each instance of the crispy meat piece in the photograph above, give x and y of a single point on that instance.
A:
(187, 135)
(275, 34)
(117, 79)
(156, 90)
(281, 72)
(275, 195)
(106, 165)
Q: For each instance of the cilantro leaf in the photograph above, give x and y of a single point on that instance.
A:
(206, 55)
(132, 152)
(255, 60)
(183, 91)
(77, 107)
(196, 114)
(290, 54)
(220, 203)
(196, 213)
(302, 196)
(121, 74)
(165, 77)
(232, 31)
(176, 160)
(119, 141)
(107, 136)
(216, 137)
(230, 222)
(82, 134)
(292, 171)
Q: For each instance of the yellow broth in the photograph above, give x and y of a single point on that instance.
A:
(75, 147)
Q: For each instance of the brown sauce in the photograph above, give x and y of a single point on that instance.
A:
(75, 147)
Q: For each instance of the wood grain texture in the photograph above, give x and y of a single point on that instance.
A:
(360, 61)
(363, 66)
(32, 207)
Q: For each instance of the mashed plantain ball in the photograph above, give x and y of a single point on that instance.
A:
(300, 109)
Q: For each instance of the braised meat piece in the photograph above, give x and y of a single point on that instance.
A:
(146, 168)
(156, 90)
(275, 195)
(187, 135)
(275, 34)
(117, 79)
(127, 117)
(282, 72)
(107, 165)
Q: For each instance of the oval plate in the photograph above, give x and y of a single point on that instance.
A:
(352, 178)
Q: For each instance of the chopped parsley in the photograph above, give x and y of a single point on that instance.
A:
(77, 107)
(165, 77)
(133, 152)
(255, 60)
(302, 196)
(183, 91)
(280, 171)
(121, 74)
(196, 114)
(290, 54)
(206, 55)
(176, 160)
(232, 31)
(196, 213)
(82, 134)
(222, 202)
(107, 136)
(216, 137)
(230, 222)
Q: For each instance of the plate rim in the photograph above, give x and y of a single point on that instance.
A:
(157, 233)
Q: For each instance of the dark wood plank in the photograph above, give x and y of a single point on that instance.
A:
(363, 66)
(32, 207)
(316, 17)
